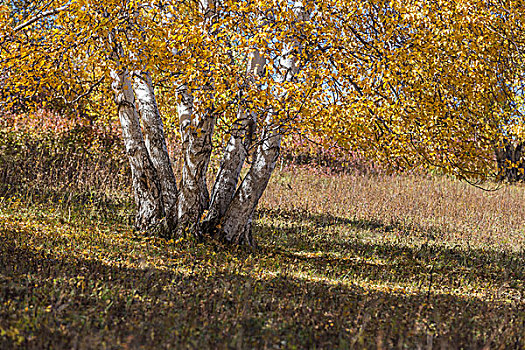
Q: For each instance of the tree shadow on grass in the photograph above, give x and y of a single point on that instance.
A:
(72, 302)
(326, 220)
(387, 260)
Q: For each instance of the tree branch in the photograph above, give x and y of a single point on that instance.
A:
(40, 16)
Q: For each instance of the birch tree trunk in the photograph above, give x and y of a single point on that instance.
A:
(196, 132)
(146, 186)
(234, 154)
(237, 221)
(155, 142)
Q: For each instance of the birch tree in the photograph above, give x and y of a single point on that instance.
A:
(406, 83)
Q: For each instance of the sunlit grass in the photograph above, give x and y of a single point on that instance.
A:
(342, 262)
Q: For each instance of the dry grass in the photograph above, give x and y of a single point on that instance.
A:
(60, 159)
(343, 262)
(418, 208)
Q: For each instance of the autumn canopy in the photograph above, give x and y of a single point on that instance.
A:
(404, 82)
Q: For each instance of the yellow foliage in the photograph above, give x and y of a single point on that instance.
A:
(433, 82)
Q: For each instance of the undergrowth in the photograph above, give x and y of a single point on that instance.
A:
(324, 276)
(343, 261)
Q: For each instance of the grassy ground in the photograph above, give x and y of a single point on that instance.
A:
(343, 262)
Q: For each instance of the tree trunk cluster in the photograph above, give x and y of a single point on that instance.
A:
(187, 208)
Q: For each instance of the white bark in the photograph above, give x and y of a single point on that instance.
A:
(237, 221)
(235, 153)
(227, 177)
(146, 187)
(155, 142)
(196, 131)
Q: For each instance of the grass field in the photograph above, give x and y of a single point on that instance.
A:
(343, 261)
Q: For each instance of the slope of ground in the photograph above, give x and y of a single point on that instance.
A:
(343, 262)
